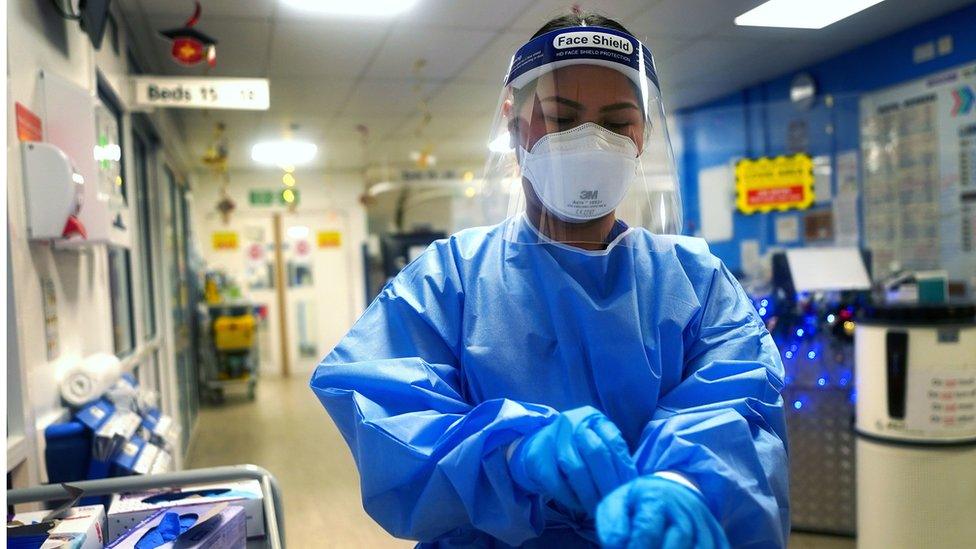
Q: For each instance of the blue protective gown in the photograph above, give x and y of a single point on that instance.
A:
(483, 339)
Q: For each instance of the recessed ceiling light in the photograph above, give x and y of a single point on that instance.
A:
(802, 14)
(373, 8)
(283, 153)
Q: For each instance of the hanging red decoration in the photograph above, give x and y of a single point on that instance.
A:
(191, 46)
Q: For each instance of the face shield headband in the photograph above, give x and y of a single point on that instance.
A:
(583, 45)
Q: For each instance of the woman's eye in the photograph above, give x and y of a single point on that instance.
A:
(560, 120)
(617, 126)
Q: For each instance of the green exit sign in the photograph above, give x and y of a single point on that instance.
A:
(261, 197)
(273, 197)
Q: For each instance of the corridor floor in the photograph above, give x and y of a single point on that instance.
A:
(287, 432)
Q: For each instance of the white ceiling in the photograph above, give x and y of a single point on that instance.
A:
(329, 75)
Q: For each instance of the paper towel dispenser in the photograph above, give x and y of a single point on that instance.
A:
(55, 192)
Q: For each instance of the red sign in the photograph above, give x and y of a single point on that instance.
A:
(28, 124)
(774, 195)
(255, 252)
(302, 247)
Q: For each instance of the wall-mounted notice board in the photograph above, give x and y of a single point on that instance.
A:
(918, 150)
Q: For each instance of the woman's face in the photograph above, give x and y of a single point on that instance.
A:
(570, 96)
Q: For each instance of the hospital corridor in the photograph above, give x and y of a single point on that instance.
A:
(281, 429)
(445, 274)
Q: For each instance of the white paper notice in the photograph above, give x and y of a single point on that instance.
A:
(749, 258)
(941, 400)
(715, 203)
(846, 220)
(822, 191)
(817, 269)
(847, 172)
(787, 229)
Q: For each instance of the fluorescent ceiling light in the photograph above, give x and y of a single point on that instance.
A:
(375, 8)
(501, 144)
(802, 14)
(283, 153)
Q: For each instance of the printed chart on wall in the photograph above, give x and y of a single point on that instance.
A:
(918, 145)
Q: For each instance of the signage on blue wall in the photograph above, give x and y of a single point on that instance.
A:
(779, 183)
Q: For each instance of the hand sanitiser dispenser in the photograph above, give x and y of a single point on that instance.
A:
(916, 426)
(55, 193)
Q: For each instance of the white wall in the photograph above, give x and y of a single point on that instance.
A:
(37, 40)
(327, 202)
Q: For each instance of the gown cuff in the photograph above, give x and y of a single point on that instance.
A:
(679, 478)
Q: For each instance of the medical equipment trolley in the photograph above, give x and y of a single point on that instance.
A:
(271, 504)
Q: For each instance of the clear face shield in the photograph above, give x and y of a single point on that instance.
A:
(579, 149)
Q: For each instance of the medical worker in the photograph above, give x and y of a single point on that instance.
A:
(573, 375)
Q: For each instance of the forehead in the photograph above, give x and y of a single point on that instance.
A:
(582, 81)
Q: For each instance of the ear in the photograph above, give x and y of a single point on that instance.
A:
(507, 108)
(511, 121)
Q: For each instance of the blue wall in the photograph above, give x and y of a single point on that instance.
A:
(754, 121)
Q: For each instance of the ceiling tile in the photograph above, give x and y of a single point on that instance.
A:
(372, 97)
(491, 64)
(465, 98)
(211, 8)
(544, 10)
(709, 58)
(443, 127)
(324, 47)
(310, 96)
(345, 127)
(686, 18)
(446, 51)
(472, 14)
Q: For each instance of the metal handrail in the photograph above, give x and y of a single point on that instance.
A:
(273, 509)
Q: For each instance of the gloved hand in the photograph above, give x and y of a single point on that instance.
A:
(576, 460)
(656, 512)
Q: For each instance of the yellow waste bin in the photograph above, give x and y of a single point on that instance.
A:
(234, 333)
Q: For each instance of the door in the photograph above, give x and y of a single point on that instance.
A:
(177, 259)
(317, 268)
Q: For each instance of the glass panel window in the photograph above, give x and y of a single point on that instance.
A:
(120, 286)
(142, 164)
(108, 147)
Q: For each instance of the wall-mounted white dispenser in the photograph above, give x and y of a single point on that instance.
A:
(55, 193)
(71, 116)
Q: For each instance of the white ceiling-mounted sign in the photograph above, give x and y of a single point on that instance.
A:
(249, 94)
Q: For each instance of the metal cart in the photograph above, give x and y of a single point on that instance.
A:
(274, 518)
(222, 369)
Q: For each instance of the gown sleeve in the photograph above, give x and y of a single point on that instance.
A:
(723, 426)
(430, 462)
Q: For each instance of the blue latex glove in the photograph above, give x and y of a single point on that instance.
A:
(657, 512)
(576, 460)
(169, 528)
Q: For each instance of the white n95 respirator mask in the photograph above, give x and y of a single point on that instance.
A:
(580, 174)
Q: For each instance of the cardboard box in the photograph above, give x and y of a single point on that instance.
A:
(218, 526)
(127, 510)
(81, 527)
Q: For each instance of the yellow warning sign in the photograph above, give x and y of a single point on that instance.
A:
(329, 239)
(224, 240)
(778, 183)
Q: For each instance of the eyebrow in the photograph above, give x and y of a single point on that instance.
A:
(564, 101)
(580, 106)
(619, 106)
